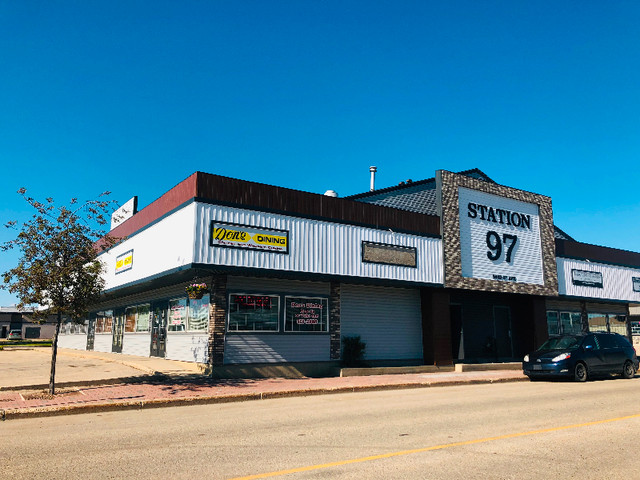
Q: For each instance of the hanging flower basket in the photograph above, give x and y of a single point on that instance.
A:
(195, 291)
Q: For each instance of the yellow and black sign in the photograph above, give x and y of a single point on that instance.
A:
(247, 237)
(124, 262)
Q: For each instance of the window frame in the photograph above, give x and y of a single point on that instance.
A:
(323, 299)
(278, 314)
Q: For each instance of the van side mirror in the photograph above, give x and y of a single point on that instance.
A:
(588, 347)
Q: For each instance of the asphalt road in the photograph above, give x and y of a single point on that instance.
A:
(501, 431)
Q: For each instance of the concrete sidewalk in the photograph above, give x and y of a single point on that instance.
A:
(152, 383)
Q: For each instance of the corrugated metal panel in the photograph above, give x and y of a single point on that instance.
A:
(75, 342)
(316, 247)
(164, 246)
(275, 285)
(136, 344)
(251, 348)
(387, 319)
(102, 342)
(617, 281)
(190, 347)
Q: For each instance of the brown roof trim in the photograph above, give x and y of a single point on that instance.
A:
(217, 189)
(586, 251)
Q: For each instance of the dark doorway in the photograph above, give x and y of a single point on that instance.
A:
(502, 332)
(159, 329)
(457, 342)
(4, 332)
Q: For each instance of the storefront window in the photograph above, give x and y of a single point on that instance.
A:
(597, 322)
(306, 314)
(142, 319)
(635, 328)
(177, 315)
(130, 319)
(618, 324)
(552, 323)
(253, 313)
(104, 321)
(571, 322)
(199, 314)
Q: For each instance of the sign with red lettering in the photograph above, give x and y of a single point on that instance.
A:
(306, 314)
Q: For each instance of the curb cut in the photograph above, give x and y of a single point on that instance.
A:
(40, 412)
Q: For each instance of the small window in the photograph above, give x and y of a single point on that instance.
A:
(607, 341)
(104, 321)
(142, 318)
(199, 314)
(130, 319)
(618, 324)
(597, 322)
(253, 313)
(553, 326)
(306, 314)
(177, 315)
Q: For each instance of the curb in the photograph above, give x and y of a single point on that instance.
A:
(41, 412)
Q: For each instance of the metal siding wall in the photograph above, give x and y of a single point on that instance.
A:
(616, 281)
(164, 246)
(316, 247)
(274, 348)
(102, 342)
(190, 347)
(136, 344)
(75, 342)
(387, 319)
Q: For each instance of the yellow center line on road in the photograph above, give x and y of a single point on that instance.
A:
(428, 449)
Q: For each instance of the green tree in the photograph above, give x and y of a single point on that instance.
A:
(59, 272)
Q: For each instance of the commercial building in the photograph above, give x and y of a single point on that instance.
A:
(456, 268)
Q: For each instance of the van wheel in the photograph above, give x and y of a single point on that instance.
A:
(580, 373)
(628, 371)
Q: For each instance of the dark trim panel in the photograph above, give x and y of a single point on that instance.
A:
(586, 251)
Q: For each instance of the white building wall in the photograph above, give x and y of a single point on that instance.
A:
(73, 341)
(136, 344)
(617, 281)
(164, 246)
(102, 342)
(187, 347)
(316, 247)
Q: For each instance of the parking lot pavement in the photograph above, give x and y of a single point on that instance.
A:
(132, 387)
(30, 367)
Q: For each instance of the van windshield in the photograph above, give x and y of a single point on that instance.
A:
(561, 343)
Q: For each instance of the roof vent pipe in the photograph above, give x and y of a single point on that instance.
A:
(373, 171)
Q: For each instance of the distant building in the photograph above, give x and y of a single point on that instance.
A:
(13, 319)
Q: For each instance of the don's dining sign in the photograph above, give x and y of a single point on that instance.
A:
(231, 235)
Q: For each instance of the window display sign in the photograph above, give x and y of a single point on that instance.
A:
(252, 238)
(636, 284)
(253, 313)
(389, 254)
(499, 238)
(586, 278)
(124, 262)
(305, 314)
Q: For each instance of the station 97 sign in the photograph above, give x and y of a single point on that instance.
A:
(499, 238)
(496, 238)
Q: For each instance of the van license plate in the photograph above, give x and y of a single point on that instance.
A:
(537, 367)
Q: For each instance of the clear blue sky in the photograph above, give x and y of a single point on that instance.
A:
(134, 96)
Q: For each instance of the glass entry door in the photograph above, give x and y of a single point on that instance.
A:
(118, 332)
(159, 329)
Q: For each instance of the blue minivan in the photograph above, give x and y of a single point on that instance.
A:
(582, 356)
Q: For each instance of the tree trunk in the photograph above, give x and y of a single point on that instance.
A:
(54, 355)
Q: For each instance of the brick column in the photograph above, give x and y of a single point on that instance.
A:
(217, 319)
(334, 322)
